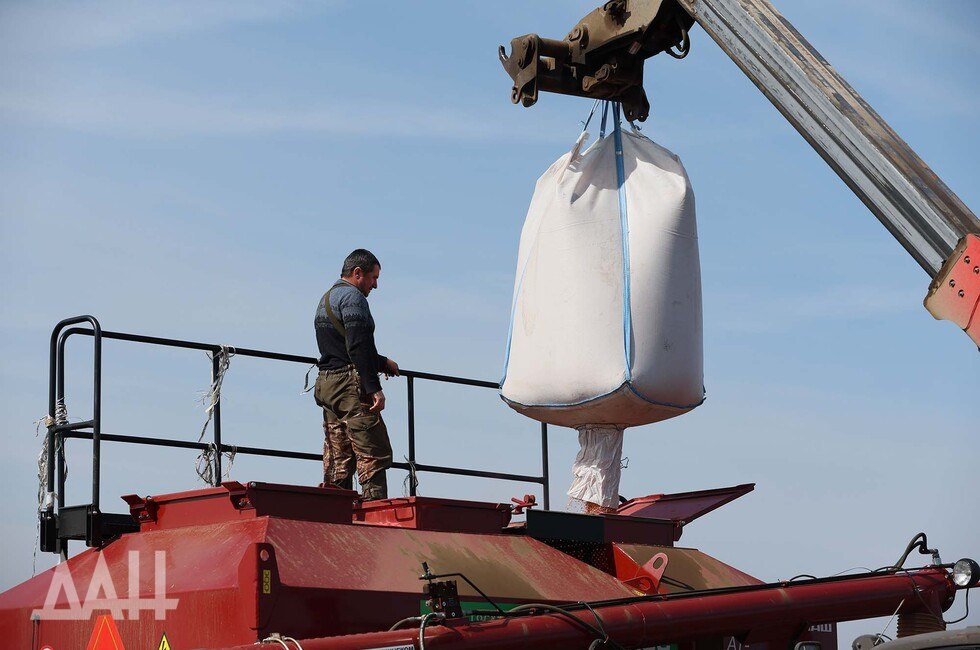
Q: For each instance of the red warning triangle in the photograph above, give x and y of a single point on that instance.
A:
(105, 636)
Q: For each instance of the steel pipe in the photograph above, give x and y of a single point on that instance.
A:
(762, 612)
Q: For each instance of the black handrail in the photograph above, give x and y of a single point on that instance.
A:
(56, 395)
(58, 433)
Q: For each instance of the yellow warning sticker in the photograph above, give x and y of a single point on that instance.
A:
(164, 643)
(266, 581)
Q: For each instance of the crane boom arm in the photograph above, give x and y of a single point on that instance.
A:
(909, 199)
(936, 228)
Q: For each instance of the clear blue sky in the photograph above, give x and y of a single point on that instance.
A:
(200, 169)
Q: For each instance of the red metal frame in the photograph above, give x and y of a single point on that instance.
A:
(428, 513)
(770, 613)
(248, 560)
(234, 501)
(683, 569)
(683, 507)
(954, 294)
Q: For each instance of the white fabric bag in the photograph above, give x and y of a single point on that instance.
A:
(606, 322)
(598, 467)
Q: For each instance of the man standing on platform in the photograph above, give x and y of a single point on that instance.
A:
(347, 387)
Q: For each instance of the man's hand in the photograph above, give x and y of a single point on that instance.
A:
(377, 402)
(391, 368)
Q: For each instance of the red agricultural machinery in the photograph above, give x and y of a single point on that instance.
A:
(259, 565)
(263, 566)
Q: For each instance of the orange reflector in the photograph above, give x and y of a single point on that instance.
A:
(105, 636)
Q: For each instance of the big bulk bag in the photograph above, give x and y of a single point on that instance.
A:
(606, 326)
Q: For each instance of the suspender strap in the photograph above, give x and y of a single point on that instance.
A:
(337, 325)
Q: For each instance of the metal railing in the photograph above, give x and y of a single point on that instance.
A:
(59, 432)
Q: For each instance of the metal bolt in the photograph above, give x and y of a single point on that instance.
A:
(966, 260)
(961, 293)
(976, 269)
(952, 283)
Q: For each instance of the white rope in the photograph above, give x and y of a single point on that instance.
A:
(205, 463)
(211, 398)
(885, 629)
(46, 497)
(213, 395)
(306, 382)
(275, 637)
(411, 479)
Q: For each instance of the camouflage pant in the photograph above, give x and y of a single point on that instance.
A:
(354, 438)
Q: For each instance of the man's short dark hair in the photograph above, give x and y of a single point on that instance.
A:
(359, 258)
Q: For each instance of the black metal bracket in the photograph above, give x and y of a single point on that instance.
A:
(443, 597)
(601, 57)
(446, 595)
(82, 523)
